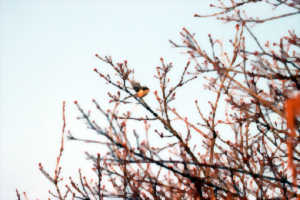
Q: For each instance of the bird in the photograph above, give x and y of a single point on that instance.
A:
(141, 91)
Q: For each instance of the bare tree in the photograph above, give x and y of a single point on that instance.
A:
(258, 89)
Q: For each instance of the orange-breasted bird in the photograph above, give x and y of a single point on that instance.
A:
(141, 91)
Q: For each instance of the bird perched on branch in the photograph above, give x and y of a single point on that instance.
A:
(140, 90)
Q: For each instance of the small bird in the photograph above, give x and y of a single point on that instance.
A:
(141, 91)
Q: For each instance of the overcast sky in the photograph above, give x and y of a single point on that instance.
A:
(47, 53)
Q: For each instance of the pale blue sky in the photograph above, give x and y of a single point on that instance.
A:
(47, 55)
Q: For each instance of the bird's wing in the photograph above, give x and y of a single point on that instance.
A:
(135, 85)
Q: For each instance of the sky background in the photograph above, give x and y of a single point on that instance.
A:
(47, 53)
